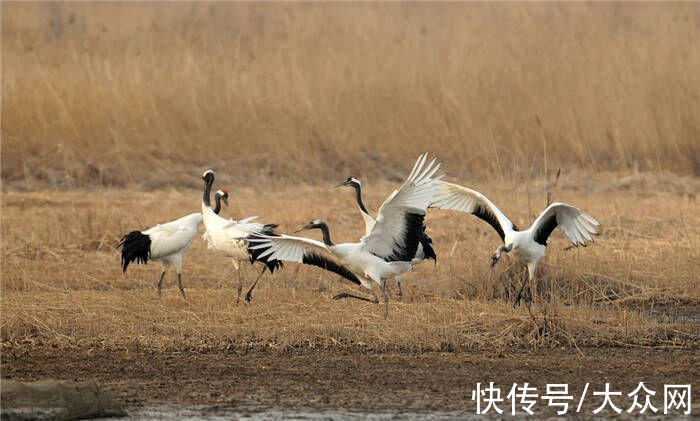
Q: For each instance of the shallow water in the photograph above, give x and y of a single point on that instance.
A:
(216, 414)
(205, 413)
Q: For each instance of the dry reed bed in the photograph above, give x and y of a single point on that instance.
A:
(209, 320)
(143, 94)
(62, 285)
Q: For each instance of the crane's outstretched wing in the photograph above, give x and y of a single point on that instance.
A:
(255, 255)
(463, 199)
(399, 227)
(237, 229)
(300, 250)
(576, 224)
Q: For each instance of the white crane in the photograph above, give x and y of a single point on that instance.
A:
(425, 248)
(386, 252)
(165, 243)
(527, 246)
(231, 237)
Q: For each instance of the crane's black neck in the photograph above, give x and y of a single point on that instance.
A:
(358, 196)
(209, 181)
(326, 233)
(217, 207)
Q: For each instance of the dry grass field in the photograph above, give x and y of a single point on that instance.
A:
(625, 308)
(145, 94)
(62, 284)
(110, 112)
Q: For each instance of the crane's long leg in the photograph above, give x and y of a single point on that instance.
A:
(531, 273)
(529, 276)
(160, 281)
(398, 282)
(179, 284)
(357, 297)
(519, 295)
(386, 300)
(342, 295)
(240, 282)
(248, 296)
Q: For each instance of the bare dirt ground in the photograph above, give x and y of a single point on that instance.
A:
(353, 381)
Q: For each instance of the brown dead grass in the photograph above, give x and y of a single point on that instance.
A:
(62, 285)
(146, 94)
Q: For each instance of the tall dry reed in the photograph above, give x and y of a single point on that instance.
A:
(147, 94)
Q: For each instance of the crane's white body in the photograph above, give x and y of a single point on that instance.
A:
(368, 265)
(525, 249)
(228, 236)
(170, 240)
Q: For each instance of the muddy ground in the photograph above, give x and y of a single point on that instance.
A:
(326, 380)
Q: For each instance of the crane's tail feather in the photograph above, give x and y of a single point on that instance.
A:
(428, 250)
(136, 246)
(255, 254)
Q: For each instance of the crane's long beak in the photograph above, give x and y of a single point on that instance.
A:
(340, 185)
(303, 228)
(495, 257)
(225, 200)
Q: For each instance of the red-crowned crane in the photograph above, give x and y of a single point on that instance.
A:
(425, 248)
(527, 246)
(231, 237)
(165, 243)
(385, 252)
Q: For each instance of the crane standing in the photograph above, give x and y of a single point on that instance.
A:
(165, 243)
(231, 237)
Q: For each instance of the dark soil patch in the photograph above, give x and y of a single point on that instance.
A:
(327, 380)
